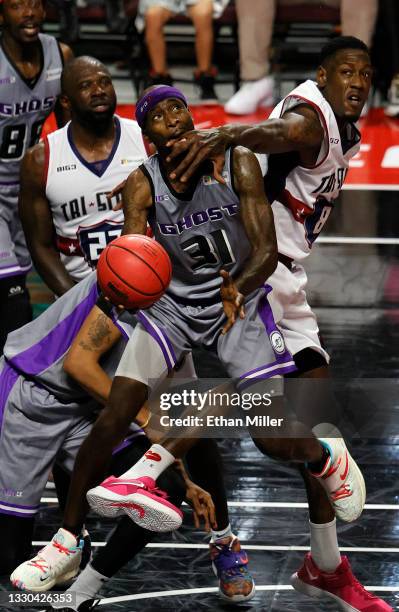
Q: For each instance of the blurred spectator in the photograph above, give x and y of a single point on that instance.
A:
(155, 13)
(69, 23)
(116, 19)
(256, 20)
(390, 15)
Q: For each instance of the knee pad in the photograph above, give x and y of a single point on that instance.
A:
(15, 307)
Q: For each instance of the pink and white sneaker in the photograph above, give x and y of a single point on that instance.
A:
(341, 476)
(341, 586)
(139, 498)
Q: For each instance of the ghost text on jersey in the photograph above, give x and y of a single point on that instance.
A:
(27, 106)
(81, 206)
(197, 218)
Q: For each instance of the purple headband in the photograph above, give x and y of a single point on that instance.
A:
(153, 97)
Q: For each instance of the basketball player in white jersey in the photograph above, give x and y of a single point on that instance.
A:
(65, 213)
(309, 139)
(30, 71)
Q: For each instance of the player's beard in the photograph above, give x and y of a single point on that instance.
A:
(96, 121)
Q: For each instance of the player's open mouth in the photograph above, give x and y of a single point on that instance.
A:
(31, 29)
(355, 100)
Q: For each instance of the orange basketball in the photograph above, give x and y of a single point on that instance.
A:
(134, 271)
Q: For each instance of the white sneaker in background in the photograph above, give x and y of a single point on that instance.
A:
(250, 96)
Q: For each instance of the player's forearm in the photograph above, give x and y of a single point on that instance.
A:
(48, 263)
(91, 377)
(259, 267)
(272, 136)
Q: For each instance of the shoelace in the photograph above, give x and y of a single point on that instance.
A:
(141, 485)
(40, 563)
(235, 561)
(63, 549)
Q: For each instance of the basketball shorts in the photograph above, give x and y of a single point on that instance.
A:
(174, 6)
(291, 310)
(34, 434)
(14, 254)
(252, 350)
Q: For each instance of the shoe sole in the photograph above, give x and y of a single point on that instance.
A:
(315, 593)
(235, 598)
(142, 510)
(45, 586)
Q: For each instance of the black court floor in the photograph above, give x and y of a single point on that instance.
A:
(354, 287)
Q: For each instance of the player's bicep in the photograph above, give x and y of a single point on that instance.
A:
(303, 127)
(256, 212)
(137, 200)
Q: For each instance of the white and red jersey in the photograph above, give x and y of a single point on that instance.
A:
(76, 190)
(303, 197)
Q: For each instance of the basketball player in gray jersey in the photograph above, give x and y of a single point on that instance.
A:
(44, 417)
(197, 223)
(30, 72)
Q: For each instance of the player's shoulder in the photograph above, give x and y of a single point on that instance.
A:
(130, 125)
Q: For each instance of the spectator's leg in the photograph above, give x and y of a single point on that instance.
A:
(201, 16)
(155, 19)
(359, 23)
(255, 28)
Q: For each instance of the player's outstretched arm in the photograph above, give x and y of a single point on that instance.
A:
(96, 337)
(137, 200)
(257, 218)
(298, 130)
(37, 222)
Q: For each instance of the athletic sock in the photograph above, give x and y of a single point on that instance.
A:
(87, 585)
(152, 463)
(319, 467)
(221, 534)
(324, 546)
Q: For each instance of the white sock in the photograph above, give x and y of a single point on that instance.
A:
(152, 463)
(324, 546)
(86, 586)
(222, 534)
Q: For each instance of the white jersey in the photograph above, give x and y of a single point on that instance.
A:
(303, 197)
(76, 190)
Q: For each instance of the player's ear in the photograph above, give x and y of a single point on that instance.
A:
(64, 101)
(321, 77)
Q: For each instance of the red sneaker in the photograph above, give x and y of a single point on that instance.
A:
(341, 586)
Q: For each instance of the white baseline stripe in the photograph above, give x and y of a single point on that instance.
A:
(370, 187)
(261, 587)
(251, 504)
(355, 240)
(261, 547)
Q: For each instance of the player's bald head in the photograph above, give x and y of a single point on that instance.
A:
(74, 70)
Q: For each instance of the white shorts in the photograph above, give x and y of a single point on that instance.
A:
(292, 312)
(174, 6)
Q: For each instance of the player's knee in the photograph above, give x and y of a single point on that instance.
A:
(155, 19)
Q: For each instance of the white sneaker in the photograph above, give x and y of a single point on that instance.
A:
(341, 477)
(56, 563)
(250, 96)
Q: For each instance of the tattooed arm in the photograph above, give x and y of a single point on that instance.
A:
(97, 335)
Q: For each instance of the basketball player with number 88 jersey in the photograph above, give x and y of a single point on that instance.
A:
(30, 69)
(66, 178)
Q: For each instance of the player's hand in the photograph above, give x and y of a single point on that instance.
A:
(202, 505)
(198, 146)
(232, 299)
(116, 191)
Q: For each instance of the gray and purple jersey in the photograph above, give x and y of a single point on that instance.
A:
(24, 107)
(37, 350)
(201, 230)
